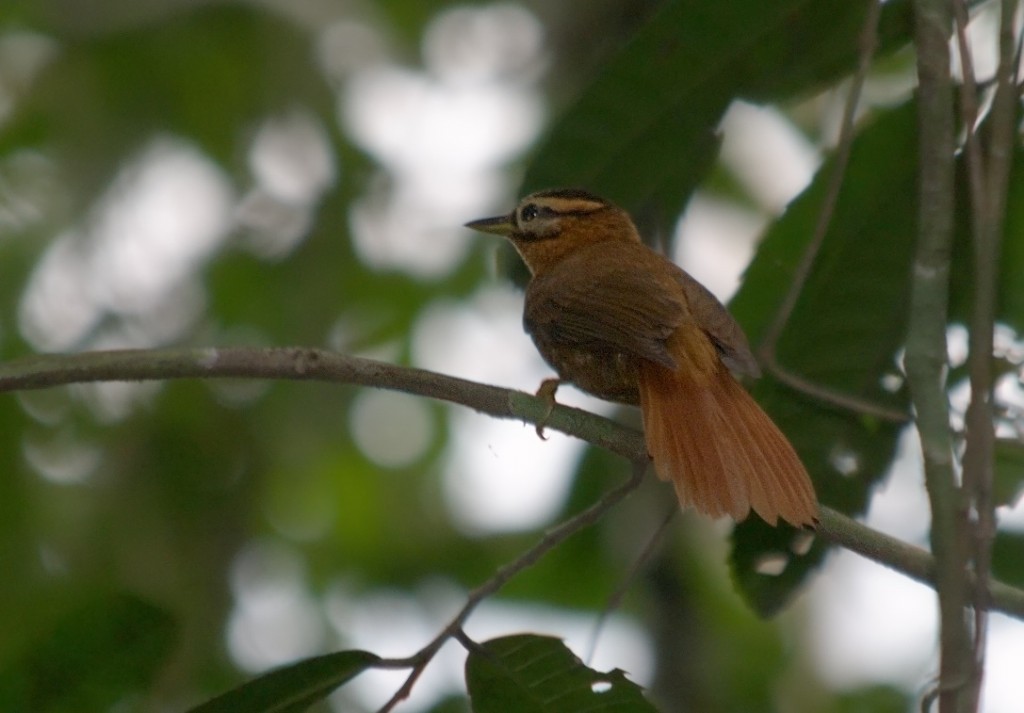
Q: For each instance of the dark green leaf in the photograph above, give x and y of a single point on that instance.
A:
(1009, 472)
(644, 133)
(527, 673)
(292, 688)
(1010, 290)
(874, 699)
(861, 277)
(844, 333)
(1008, 558)
(1010, 308)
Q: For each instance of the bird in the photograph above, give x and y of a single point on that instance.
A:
(624, 323)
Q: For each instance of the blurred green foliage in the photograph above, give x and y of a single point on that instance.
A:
(94, 654)
(119, 585)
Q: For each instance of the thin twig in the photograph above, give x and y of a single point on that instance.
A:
(830, 396)
(468, 643)
(551, 539)
(979, 417)
(969, 109)
(1017, 59)
(636, 567)
(767, 349)
(989, 180)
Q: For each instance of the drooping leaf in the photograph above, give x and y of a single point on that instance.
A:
(292, 688)
(527, 673)
(644, 133)
(843, 334)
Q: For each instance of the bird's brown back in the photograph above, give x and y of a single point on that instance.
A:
(596, 311)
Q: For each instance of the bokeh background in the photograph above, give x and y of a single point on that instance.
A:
(179, 172)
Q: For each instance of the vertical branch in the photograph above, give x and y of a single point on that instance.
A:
(989, 178)
(926, 347)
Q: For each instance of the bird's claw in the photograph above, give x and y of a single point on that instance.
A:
(546, 392)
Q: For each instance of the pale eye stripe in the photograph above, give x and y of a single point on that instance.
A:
(578, 205)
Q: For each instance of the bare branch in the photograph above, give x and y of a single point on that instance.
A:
(310, 364)
(926, 349)
(907, 559)
(989, 179)
(307, 364)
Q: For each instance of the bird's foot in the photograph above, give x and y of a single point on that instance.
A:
(546, 392)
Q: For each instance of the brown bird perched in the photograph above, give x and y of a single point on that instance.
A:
(625, 324)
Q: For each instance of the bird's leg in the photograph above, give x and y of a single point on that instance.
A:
(546, 392)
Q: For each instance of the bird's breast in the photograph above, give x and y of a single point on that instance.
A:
(606, 374)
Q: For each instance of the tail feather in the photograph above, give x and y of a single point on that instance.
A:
(723, 454)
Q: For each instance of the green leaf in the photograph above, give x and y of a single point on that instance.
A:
(645, 132)
(292, 688)
(1010, 308)
(96, 657)
(847, 327)
(1010, 288)
(1009, 472)
(1008, 558)
(844, 333)
(527, 673)
(874, 699)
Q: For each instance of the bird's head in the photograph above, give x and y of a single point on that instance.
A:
(547, 226)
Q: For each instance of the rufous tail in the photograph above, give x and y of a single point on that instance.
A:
(724, 454)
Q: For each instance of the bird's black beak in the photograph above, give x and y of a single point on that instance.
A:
(498, 225)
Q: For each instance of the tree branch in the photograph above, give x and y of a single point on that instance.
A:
(308, 364)
(988, 180)
(907, 559)
(767, 349)
(926, 351)
(551, 539)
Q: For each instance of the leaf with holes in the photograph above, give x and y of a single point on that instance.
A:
(843, 334)
(527, 673)
(845, 331)
(293, 688)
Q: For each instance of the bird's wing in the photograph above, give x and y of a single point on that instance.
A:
(712, 316)
(610, 301)
(620, 297)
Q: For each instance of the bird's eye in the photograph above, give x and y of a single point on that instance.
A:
(528, 213)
